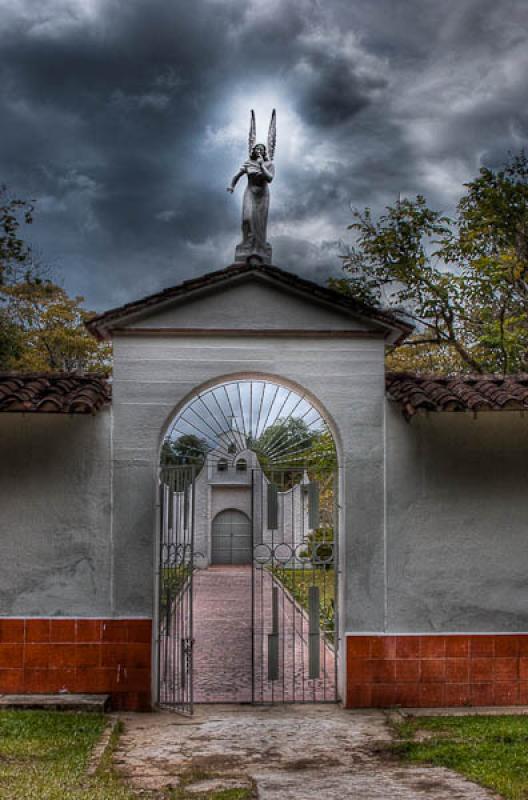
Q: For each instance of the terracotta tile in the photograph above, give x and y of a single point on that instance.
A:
(62, 630)
(120, 679)
(506, 646)
(407, 695)
(359, 695)
(359, 670)
(457, 670)
(432, 670)
(138, 655)
(384, 696)
(482, 694)
(88, 630)
(87, 655)
(36, 681)
(357, 646)
(383, 671)
(127, 701)
(114, 630)
(408, 647)
(407, 670)
(60, 680)
(62, 656)
(144, 701)
(131, 701)
(11, 656)
(523, 693)
(140, 631)
(457, 646)
(506, 693)
(457, 694)
(114, 654)
(481, 669)
(36, 655)
(523, 644)
(523, 668)
(432, 694)
(93, 680)
(482, 646)
(11, 681)
(138, 680)
(432, 646)
(11, 630)
(37, 630)
(383, 647)
(506, 669)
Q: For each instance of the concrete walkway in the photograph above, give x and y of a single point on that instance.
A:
(318, 752)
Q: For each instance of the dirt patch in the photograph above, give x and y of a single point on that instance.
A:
(308, 752)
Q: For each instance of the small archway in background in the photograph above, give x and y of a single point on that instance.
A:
(231, 538)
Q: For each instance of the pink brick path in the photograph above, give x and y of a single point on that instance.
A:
(222, 635)
(222, 650)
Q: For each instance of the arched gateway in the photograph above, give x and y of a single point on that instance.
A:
(250, 327)
(248, 480)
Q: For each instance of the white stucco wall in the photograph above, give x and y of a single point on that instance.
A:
(153, 375)
(457, 522)
(55, 514)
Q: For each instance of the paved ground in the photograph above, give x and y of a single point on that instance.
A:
(222, 635)
(223, 649)
(318, 752)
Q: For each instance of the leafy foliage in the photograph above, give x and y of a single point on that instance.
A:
(283, 442)
(47, 330)
(186, 449)
(15, 255)
(41, 327)
(463, 279)
(320, 547)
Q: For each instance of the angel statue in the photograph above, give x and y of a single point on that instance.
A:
(260, 171)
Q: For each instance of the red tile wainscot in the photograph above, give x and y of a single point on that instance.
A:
(439, 670)
(106, 656)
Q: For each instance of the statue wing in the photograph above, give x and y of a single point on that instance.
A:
(272, 135)
(252, 132)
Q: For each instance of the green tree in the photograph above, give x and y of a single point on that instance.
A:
(186, 449)
(41, 327)
(15, 255)
(48, 330)
(462, 279)
(284, 442)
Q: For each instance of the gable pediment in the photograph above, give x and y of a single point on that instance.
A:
(246, 300)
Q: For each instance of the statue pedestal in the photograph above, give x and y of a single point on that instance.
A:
(244, 251)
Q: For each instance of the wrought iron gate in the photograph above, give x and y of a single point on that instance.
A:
(175, 582)
(294, 586)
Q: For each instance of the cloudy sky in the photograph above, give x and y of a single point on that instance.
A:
(126, 119)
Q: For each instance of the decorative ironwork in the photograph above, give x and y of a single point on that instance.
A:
(271, 441)
(175, 581)
(282, 426)
(294, 586)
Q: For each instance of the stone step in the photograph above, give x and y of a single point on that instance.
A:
(56, 702)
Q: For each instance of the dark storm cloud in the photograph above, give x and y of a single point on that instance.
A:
(126, 120)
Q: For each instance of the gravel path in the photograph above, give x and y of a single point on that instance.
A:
(302, 752)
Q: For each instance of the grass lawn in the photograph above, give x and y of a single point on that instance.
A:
(44, 755)
(298, 581)
(492, 751)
